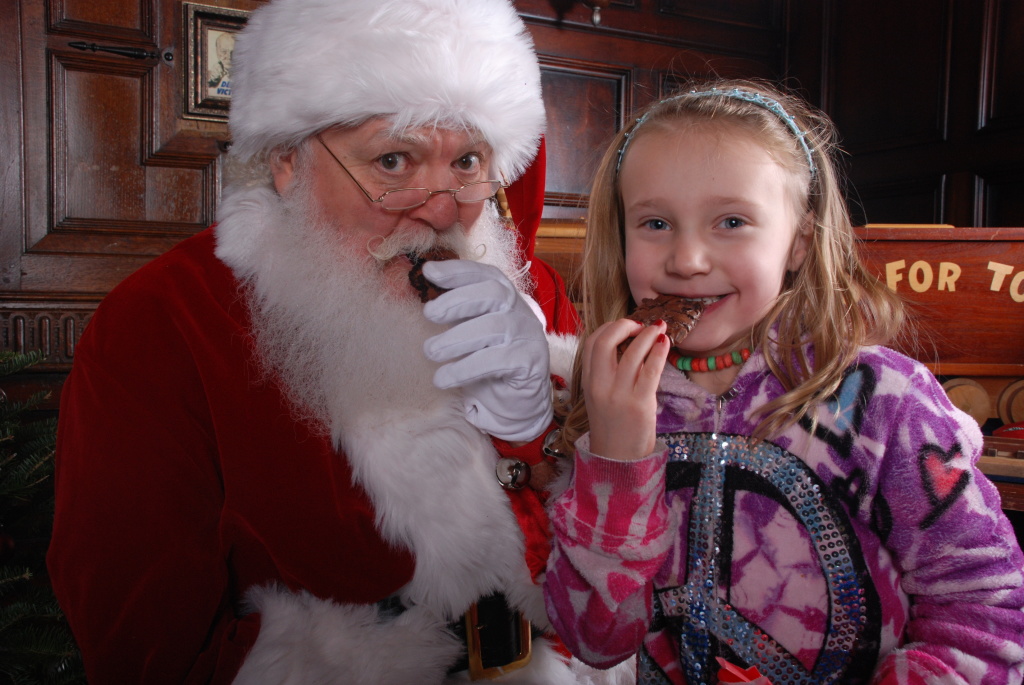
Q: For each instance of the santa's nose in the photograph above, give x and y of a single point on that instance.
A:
(440, 211)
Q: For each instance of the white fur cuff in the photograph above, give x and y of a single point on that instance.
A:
(305, 640)
(562, 349)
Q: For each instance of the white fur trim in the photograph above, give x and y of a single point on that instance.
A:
(306, 640)
(431, 477)
(620, 674)
(535, 308)
(303, 65)
(562, 350)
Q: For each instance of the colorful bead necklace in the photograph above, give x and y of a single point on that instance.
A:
(722, 361)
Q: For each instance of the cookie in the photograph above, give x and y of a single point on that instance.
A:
(427, 290)
(679, 313)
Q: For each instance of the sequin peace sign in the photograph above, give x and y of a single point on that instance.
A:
(723, 602)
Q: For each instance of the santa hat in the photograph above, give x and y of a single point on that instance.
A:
(303, 65)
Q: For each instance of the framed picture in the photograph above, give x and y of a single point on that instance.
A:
(210, 35)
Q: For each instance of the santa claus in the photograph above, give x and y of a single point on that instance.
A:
(276, 464)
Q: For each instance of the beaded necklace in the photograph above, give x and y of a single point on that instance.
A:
(722, 361)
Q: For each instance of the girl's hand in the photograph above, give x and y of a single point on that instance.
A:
(620, 393)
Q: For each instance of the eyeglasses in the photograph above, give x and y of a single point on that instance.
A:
(409, 198)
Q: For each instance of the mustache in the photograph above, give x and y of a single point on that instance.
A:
(415, 240)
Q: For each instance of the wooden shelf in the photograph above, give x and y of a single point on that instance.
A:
(1012, 495)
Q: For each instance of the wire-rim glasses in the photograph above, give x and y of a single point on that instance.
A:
(401, 199)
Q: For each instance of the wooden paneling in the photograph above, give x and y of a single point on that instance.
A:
(901, 200)
(12, 210)
(926, 97)
(103, 177)
(52, 326)
(576, 138)
(920, 43)
(1003, 68)
(125, 19)
(1001, 197)
(745, 28)
(98, 183)
(761, 15)
(112, 174)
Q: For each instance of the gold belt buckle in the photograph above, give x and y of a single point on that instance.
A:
(475, 656)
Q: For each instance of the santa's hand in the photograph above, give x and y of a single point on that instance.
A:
(497, 349)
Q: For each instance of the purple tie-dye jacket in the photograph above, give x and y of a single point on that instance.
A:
(865, 547)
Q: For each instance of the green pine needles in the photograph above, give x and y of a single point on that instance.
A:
(36, 645)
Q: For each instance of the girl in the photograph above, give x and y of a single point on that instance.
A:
(783, 493)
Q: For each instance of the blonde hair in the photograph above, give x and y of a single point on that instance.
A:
(831, 302)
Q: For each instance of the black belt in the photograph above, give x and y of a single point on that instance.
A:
(498, 639)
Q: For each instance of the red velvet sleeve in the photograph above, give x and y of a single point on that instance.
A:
(183, 480)
(135, 555)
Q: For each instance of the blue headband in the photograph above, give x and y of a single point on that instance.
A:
(769, 104)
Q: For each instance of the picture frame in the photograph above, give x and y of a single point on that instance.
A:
(209, 35)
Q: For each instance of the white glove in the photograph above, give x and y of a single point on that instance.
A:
(499, 345)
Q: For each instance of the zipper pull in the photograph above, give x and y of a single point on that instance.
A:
(720, 401)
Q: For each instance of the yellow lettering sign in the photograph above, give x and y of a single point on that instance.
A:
(948, 273)
(892, 273)
(920, 276)
(1015, 287)
(999, 272)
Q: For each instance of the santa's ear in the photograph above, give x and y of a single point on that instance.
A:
(282, 168)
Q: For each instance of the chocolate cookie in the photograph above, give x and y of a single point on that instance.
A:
(427, 290)
(679, 313)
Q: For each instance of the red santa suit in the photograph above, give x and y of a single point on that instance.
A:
(201, 528)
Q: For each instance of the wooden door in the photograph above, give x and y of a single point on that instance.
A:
(103, 167)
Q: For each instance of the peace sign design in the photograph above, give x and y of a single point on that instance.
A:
(718, 466)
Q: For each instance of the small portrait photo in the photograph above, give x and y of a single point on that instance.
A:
(220, 46)
(210, 34)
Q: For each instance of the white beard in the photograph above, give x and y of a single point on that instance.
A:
(348, 353)
(327, 324)
(346, 346)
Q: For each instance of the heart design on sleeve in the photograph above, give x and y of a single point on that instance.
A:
(942, 482)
